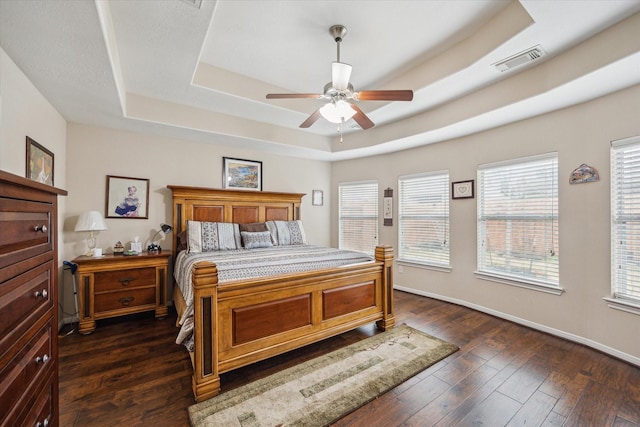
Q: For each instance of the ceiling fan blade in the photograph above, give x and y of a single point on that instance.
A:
(311, 119)
(385, 95)
(361, 118)
(293, 95)
(340, 75)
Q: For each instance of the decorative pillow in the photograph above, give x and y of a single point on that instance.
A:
(212, 236)
(253, 227)
(256, 239)
(285, 233)
(182, 242)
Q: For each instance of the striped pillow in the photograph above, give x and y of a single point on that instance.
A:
(285, 233)
(212, 236)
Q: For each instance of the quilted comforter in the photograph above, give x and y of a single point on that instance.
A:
(242, 264)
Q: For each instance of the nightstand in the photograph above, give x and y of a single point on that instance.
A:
(115, 285)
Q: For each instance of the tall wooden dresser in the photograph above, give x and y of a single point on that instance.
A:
(28, 302)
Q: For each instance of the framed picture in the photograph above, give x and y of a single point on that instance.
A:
(462, 189)
(317, 198)
(240, 174)
(127, 197)
(39, 163)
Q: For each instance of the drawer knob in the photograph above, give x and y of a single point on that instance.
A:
(42, 228)
(42, 294)
(42, 359)
(126, 301)
(125, 281)
(45, 423)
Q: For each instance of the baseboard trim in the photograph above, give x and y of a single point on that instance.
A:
(552, 331)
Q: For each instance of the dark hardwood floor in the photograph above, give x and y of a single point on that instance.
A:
(129, 372)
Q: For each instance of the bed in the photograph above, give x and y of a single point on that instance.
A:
(239, 322)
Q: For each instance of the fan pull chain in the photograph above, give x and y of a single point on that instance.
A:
(340, 129)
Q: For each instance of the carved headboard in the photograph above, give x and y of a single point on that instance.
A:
(242, 207)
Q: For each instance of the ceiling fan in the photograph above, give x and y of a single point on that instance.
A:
(340, 94)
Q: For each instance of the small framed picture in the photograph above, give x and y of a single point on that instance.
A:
(39, 163)
(462, 189)
(241, 174)
(127, 197)
(317, 198)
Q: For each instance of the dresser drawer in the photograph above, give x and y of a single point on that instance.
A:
(123, 279)
(41, 408)
(26, 230)
(29, 366)
(130, 298)
(23, 300)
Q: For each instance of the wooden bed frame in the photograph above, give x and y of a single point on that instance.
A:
(241, 322)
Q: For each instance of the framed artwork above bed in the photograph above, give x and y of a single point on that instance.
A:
(241, 174)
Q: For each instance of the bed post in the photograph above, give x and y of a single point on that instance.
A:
(384, 254)
(206, 379)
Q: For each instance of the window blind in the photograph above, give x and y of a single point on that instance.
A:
(358, 216)
(625, 219)
(423, 218)
(518, 220)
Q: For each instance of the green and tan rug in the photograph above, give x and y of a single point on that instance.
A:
(320, 391)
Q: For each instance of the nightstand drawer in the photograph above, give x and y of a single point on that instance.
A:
(125, 299)
(124, 279)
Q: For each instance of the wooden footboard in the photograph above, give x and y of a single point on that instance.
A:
(238, 323)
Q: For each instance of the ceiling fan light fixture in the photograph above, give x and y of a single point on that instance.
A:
(337, 112)
(340, 74)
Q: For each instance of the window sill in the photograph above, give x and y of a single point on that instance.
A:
(519, 283)
(623, 305)
(443, 268)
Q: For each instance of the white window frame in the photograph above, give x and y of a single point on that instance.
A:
(499, 173)
(433, 187)
(625, 209)
(370, 215)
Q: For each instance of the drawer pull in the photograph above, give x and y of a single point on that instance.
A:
(126, 301)
(42, 228)
(42, 294)
(43, 424)
(126, 280)
(42, 359)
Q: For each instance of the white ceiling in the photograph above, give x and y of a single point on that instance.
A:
(170, 68)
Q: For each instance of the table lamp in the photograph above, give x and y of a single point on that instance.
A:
(91, 221)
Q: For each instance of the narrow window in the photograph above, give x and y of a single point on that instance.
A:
(423, 219)
(358, 216)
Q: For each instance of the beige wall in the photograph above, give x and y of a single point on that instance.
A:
(94, 153)
(581, 134)
(24, 111)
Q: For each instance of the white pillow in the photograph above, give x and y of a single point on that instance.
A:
(205, 236)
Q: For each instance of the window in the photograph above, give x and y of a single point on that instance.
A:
(423, 219)
(518, 221)
(358, 216)
(625, 219)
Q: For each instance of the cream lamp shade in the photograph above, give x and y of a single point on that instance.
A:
(91, 221)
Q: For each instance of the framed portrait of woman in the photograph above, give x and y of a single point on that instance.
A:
(127, 197)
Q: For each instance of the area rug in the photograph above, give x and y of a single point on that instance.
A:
(322, 390)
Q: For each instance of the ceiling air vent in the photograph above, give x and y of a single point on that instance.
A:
(195, 3)
(521, 58)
